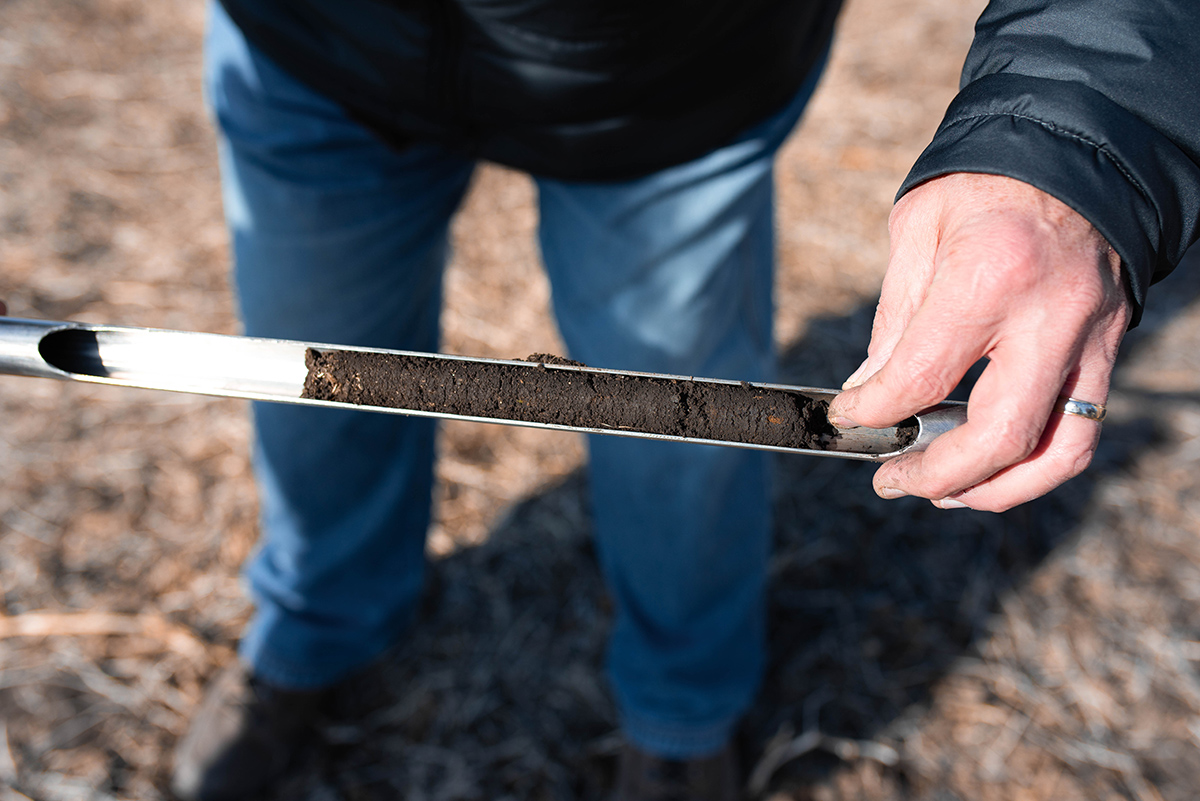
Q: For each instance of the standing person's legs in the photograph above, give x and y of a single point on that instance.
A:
(336, 238)
(672, 273)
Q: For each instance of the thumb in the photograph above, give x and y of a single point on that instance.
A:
(914, 235)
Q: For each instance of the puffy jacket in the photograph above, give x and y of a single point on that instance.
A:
(574, 89)
(1096, 102)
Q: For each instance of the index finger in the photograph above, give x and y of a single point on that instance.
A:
(1008, 411)
(936, 349)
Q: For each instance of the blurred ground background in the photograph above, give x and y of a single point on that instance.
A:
(1047, 653)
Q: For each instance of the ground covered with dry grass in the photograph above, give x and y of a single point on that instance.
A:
(1047, 653)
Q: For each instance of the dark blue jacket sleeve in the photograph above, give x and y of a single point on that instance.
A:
(1096, 102)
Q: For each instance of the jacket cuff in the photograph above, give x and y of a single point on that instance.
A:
(1130, 181)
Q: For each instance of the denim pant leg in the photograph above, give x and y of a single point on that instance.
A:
(336, 238)
(673, 273)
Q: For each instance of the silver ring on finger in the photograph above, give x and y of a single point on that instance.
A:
(1081, 408)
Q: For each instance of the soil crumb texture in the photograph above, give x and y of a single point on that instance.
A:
(550, 358)
(570, 397)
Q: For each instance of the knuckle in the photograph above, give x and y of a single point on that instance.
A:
(899, 216)
(884, 320)
(1073, 459)
(1084, 299)
(936, 487)
(887, 328)
(1013, 273)
(1011, 440)
(988, 497)
(1006, 269)
(931, 482)
(908, 386)
(922, 381)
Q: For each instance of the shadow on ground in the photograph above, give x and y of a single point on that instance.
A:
(500, 692)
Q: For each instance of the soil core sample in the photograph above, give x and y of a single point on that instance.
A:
(579, 398)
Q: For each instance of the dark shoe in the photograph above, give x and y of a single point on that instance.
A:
(644, 777)
(242, 738)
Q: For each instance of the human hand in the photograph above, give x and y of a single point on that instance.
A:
(987, 266)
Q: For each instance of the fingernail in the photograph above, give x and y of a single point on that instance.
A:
(950, 503)
(844, 423)
(890, 493)
(855, 378)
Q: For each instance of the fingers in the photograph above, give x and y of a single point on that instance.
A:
(910, 271)
(1066, 442)
(986, 267)
(1009, 425)
(921, 370)
(1007, 413)
(1015, 447)
(1065, 451)
(936, 343)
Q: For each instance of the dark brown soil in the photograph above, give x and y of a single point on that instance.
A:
(571, 397)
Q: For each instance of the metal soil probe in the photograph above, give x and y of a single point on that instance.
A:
(274, 370)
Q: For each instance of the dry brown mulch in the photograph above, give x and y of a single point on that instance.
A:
(1047, 653)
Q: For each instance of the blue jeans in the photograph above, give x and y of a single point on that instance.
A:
(337, 238)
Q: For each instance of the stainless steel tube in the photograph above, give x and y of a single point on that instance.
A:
(274, 370)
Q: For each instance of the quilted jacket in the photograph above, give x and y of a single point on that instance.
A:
(1095, 101)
